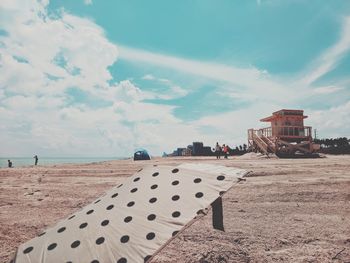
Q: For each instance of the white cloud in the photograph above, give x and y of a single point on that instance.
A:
(170, 90)
(148, 77)
(328, 60)
(79, 42)
(327, 89)
(333, 122)
(250, 79)
(74, 53)
(88, 2)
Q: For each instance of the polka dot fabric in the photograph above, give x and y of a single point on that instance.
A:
(132, 221)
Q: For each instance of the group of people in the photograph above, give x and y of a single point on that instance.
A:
(10, 164)
(221, 149)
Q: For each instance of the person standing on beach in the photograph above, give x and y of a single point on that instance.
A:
(36, 159)
(225, 150)
(217, 150)
(9, 163)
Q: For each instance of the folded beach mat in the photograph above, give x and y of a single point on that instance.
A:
(135, 220)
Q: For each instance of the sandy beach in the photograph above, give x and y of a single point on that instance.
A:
(287, 210)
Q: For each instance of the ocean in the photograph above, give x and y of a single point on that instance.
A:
(27, 161)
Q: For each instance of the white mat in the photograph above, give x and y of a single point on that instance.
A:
(133, 220)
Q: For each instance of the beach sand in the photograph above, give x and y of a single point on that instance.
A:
(287, 210)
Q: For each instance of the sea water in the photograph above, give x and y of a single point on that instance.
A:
(27, 161)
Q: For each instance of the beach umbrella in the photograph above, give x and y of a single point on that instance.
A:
(133, 221)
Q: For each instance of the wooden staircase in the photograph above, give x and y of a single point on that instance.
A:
(261, 142)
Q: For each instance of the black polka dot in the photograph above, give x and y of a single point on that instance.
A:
(122, 260)
(199, 194)
(175, 182)
(151, 217)
(176, 214)
(97, 201)
(133, 190)
(83, 225)
(155, 174)
(175, 197)
(136, 179)
(124, 239)
(146, 258)
(175, 170)
(95, 261)
(41, 234)
(115, 195)
(100, 240)
(120, 185)
(109, 207)
(127, 219)
(75, 244)
(61, 230)
(27, 250)
(130, 204)
(220, 177)
(51, 246)
(197, 180)
(153, 200)
(154, 186)
(90, 212)
(104, 222)
(150, 236)
(71, 217)
(174, 233)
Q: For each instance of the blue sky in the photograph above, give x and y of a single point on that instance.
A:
(279, 36)
(101, 78)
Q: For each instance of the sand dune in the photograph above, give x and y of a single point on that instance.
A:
(285, 211)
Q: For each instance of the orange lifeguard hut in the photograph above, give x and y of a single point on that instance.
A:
(286, 137)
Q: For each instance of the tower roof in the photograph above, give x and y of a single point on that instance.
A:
(284, 112)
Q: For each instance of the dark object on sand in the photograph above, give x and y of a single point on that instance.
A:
(218, 216)
(141, 155)
(9, 163)
(297, 155)
(36, 159)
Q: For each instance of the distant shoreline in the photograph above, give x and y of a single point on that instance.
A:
(22, 162)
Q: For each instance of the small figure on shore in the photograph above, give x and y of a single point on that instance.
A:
(36, 159)
(217, 150)
(9, 163)
(225, 149)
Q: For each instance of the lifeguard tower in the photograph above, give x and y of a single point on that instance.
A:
(287, 136)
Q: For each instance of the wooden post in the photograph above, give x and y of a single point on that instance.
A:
(218, 218)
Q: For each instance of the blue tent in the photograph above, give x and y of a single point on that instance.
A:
(141, 154)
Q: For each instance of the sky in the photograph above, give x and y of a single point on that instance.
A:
(103, 78)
